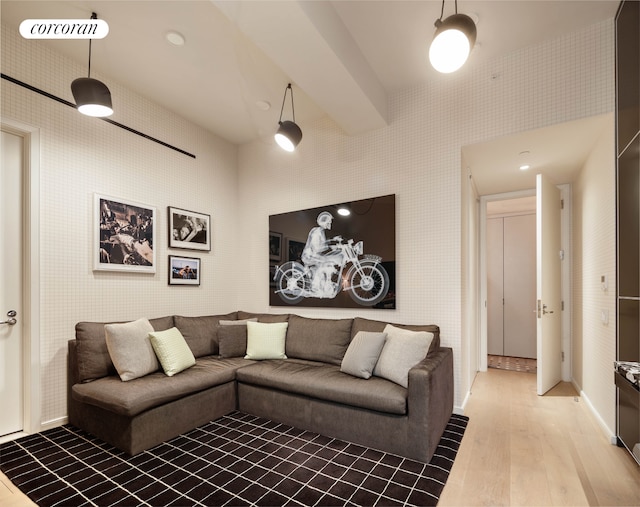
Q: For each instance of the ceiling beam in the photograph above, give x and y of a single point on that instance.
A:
(311, 45)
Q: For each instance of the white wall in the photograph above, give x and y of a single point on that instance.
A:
(418, 157)
(82, 155)
(594, 254)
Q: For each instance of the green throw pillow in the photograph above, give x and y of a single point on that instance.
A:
(266, 340)
(172, 350)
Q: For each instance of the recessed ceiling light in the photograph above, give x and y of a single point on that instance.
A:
(175, 38)
(524, 167)
(263, 105)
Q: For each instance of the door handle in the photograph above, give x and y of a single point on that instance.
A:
(11, 320)
(545, 311)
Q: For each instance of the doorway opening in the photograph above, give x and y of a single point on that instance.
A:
(510, 244)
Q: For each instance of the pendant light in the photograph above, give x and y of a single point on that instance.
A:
(289, 134)
(92, 97)
(452, 42)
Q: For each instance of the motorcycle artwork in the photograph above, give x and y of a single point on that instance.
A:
(329, 266)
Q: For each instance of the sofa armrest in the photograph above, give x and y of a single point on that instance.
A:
(73, 374)
(430, 395)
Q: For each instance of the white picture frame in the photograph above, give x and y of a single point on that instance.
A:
(124, 235)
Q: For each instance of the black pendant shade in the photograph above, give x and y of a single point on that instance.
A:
(92, 97)
(288, 135)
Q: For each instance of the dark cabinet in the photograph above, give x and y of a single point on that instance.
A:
(628, 219)
(627, 73)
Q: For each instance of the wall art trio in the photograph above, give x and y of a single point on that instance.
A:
(125, 238)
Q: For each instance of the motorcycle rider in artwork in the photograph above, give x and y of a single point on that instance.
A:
(320, 258)
(330, 266)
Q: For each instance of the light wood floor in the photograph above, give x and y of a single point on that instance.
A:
(520, 449)
(524, 449)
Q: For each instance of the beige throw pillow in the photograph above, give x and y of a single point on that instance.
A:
(363, 353)
(130, 349)
(401, 352)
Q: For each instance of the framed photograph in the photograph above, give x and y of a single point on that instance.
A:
(294, 249)
(124, 235)
(189, 230)
(184, 270)
(275, 246)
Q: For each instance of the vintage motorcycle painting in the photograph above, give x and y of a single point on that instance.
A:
(328, 268)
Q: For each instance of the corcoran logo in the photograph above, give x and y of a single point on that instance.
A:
(64, 28)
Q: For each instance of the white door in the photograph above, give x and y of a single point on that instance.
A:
(548, 293)
(11, 380)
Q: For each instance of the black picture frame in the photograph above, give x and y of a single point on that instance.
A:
(275, 246)
(189, 230)
(184, 270)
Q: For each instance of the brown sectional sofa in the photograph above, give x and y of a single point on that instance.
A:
(306, 390)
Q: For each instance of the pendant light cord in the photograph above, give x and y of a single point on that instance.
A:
(284, 99)
(93, 16)
(442, 9)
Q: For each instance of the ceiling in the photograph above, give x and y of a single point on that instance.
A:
(344, 58)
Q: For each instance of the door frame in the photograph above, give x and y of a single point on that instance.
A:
(32, 411)
(565, 192)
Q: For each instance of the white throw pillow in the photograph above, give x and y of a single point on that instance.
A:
(130, 349)
(266, 340)
(172, 350)
(401, 352)
(363, 353)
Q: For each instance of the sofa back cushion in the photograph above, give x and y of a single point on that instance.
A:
(324, 340)
(360, 324)
(264, 317)
(200, 333)
(94, 360)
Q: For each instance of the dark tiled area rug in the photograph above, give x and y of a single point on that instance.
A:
(239, 459)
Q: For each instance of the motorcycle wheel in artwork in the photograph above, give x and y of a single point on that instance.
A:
(366, 280)
(291, 282)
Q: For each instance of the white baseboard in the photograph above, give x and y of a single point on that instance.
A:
(53, 423)
(460, 409)
(610, 434)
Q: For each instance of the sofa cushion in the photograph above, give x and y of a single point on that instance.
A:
(324, 340)
(133, 397)
(232, 341)
(363, 353)
(130, 349)
(402, 350)
(200, 332)
(264, 317)
(326, 382)
(265, 340)
(93, 356)
(172, 350)
(360, 324)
